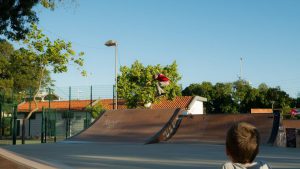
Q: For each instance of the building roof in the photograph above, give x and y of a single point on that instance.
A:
(178, 102)
(61, 105)
(108, 104)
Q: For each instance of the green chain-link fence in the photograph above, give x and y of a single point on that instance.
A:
(57, 116)
(9, 124)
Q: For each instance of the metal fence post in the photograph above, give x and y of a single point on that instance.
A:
(15, 124)
(42, 126)
(29, 121)
(46, 125)
(114, 97)
(68, 115)
(23, 130)
(55, 126)
(1, 126)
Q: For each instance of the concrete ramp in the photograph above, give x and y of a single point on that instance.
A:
(213, 128)
(131, 125)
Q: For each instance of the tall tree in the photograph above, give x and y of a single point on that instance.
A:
(6, 82)
(223, 100)
(243, 95)
(18, 73)
(47, 54)
(281, 98)
(239, 97)
(205, 89)
(17, 15)
(137, 86)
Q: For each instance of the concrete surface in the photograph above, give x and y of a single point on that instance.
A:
(92, 155)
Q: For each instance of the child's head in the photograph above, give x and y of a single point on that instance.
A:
(242, 143)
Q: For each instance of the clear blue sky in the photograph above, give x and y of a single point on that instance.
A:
(205, 37)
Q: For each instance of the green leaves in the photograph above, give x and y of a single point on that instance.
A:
(96, 110)
(29, 67)
(238, 97)
(137, 86)
(15, 17)
(55, 55)
(50, 4)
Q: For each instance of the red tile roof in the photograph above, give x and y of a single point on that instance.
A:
(107, 104)
(178, 102)
(62, 105)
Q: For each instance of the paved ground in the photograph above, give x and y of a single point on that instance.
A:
(121, 134)
(87, 155)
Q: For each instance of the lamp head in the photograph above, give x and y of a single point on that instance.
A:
(111, 43)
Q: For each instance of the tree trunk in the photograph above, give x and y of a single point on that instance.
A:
(36, 106)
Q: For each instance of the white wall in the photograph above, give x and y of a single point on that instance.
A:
(196, 108)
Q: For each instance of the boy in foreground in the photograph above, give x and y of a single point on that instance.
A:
(242, 146)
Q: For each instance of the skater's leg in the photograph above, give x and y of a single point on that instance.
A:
(159, 89)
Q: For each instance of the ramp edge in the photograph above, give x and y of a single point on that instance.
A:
(164, 133)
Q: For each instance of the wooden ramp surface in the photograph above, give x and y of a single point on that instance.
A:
(291, 124)
(131, 125)
(213, 128)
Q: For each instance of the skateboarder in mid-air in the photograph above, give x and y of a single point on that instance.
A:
(162, 81)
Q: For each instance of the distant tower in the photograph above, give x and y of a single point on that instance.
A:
(241, 68)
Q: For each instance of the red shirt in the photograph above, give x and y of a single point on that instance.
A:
(162, 78)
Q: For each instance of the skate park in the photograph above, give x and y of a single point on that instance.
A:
(147, 84)
(147, 138)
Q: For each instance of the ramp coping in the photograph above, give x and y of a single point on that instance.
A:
(23, 161)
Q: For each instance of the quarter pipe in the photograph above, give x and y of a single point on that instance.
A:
(213, 128)
(169, 125)
(130, 125)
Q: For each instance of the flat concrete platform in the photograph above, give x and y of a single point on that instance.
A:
(92, 155)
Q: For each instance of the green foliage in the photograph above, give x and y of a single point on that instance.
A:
(7, 126)
(6, 51)
(96, 110)
(223, 97)
(55, 55)
(19, 72)
(239, 97)
(48, 4)
(29, 68)
(14, 17)
(17, 15)
(45, 54)
(137, 86)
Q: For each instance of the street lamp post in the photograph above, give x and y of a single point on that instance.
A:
(115, 44)
(273, 105)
